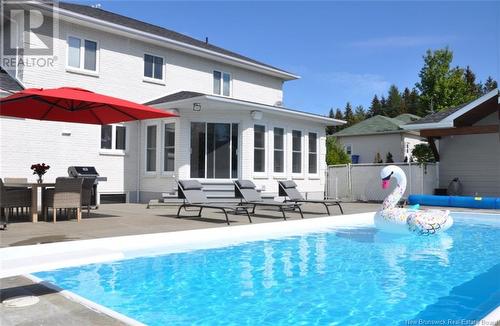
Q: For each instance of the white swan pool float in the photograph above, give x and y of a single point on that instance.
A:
(402, 220)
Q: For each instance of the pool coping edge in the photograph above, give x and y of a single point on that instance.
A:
(85, 302)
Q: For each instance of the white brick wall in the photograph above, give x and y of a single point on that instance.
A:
(121, 70)
(159, 182)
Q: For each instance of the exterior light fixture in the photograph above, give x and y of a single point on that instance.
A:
(196, 107)
(256, 115)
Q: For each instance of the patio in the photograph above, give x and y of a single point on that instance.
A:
(127, 219)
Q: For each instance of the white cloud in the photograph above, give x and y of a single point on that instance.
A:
(402, 41)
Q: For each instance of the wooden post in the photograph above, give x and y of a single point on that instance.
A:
(433, 147)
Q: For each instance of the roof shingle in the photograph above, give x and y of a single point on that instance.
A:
(377, 124)
(153, 29)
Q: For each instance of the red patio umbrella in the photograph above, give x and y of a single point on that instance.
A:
(69, 104)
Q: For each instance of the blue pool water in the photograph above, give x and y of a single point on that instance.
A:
(347, 277)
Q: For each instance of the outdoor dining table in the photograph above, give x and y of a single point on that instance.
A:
(34, 194)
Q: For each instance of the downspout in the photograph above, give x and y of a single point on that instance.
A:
(138, 188)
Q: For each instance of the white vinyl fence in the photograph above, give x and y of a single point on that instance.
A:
(361, 182)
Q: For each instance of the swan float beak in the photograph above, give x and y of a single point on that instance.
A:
(385, 184)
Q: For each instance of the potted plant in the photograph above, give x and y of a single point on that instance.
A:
(40, 170)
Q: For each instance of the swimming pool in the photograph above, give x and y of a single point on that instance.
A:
(344, 276)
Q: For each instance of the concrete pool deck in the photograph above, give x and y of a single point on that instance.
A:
(110, 221)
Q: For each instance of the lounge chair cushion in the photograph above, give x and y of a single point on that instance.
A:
(288, 184)
(190, 184)
(245, 184)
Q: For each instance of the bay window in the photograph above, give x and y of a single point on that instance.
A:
(279, 150)
(296, 151)
(259, 148)
(151, 148)
(169, 147)
(313, 153)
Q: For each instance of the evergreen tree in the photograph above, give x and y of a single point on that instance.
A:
(349, 115)
(394, 102)
(414, 106)
(339, 116)
(489, 85)
(330, 129)
(470, 79)
(375, 107)
(359, 114)
(405, 100)
(383, 105)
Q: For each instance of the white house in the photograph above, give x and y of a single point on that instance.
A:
(469, 144)
(380, 135)
(231, 124)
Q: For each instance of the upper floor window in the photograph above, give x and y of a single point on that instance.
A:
(169, 147)
(113, 137)
(222, 83)
(82, 53)
(153, 67)
(259, 148)
(313, 153)
(296, 151)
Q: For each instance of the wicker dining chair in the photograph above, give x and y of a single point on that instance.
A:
(87, 187)
(13, 198)
(67, 193)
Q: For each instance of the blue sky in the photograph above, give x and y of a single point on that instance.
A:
(344, 51)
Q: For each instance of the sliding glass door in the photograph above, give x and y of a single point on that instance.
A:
(214, 150)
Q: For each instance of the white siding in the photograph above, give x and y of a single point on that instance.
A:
(474, 159)
(158, 182)
(368, 146)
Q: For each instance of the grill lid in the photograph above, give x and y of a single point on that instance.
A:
(82, 171)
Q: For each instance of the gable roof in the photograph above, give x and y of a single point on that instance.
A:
(111, 17)
(407, 117)
(446, 118)
(171, 101)
(9, 84)
(377, 125)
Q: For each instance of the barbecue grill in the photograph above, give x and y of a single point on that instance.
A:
(88, 172)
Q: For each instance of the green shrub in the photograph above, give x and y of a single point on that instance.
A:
(335, 153)
(422, 154)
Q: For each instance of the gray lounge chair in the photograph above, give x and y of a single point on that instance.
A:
(191, 191)
(288, 189)
(245, 190)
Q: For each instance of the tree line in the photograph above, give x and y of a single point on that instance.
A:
(441, 86)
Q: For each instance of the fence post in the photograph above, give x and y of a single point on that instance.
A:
(349, 179)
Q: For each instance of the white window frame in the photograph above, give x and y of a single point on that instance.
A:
(238, 153)
(278, 175)
(158, 143)
(163, 70)
(113, 150)
(261, 175)
(166, 122)
(313, 175)
(222, 72)
(81, 69)
(345, 149)
(302, 151)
